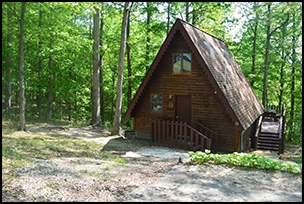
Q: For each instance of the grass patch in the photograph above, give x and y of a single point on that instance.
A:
(243, 159)
(21, 150)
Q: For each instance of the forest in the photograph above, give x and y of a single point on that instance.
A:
(49, 51)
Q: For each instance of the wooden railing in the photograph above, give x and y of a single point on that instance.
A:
(178, 135)
(209, 133)
(258, 130)
(276, 108)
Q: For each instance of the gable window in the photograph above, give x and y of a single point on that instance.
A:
(156, 103)
(181, 62)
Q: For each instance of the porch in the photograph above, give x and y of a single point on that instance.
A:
(179, 134)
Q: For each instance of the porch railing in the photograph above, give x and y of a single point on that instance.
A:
(178, 135)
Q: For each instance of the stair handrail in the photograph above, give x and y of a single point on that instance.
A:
(259, 126)
(280, 127)
(284, 120)
(199, 133)
(206, 128)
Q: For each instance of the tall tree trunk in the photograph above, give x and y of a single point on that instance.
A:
(148, 35)
(8, 98)
(39, 96)
(51, 84)
(293, 69)
(255, 33)
(283, 56)
(96, 85)
(193, 15)
(21, 69)
(187, 11)
(168, 17)
(101, 64)
(264, 100)
(129, 67)
(116, 130)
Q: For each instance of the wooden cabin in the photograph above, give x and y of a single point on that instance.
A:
(195, 96)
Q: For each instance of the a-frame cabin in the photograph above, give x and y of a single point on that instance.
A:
(195, 96)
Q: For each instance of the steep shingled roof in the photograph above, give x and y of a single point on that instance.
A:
(226, 76)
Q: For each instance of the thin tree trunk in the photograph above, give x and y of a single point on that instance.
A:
(148, 35)
(21, 69)
(264, 100)
(116, 130)
(8, 99)
(168, 17)
(187, 11)
(193, 16)
(283, 56)
(101, 64)
(255, 33)
(96, 70)
(129, 66)
(51, 84)
(293, 58)
(39, 97)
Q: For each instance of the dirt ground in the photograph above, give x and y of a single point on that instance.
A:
(149, 174)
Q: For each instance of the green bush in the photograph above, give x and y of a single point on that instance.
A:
(244, 159)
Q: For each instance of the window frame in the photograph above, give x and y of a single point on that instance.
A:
(182, 64)
(151, 103)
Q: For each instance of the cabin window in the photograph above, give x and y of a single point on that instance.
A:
(181, 62)
(156, 101)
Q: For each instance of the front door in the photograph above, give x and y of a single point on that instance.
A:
(183, 108)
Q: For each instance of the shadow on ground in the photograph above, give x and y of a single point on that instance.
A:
(120, 146)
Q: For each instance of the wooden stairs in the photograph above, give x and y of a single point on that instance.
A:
(270, 134)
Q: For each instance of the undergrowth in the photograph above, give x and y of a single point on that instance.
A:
(244, 159)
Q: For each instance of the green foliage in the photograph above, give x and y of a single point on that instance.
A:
(244, 159)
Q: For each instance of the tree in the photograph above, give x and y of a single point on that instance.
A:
(129, 66)
(96, 73)
(269, 34)
(8, 99)
(21, 69)
(101, 62)
(51, 84)
(116, 130)
(148, 34)
(254, 38)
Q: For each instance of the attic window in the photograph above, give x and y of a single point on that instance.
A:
(181, 62)
(156, 103)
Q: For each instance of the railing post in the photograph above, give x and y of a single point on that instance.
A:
(196, 141)
(168, 132)
(191, 139)
(152, 133)
(202, 143)
(176, 133)
(163, 132)
(159, 131)
(172, 131)
(185, 135)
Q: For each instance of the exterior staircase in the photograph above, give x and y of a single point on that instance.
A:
(270, 134)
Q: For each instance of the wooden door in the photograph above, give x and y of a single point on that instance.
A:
(183, 108)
